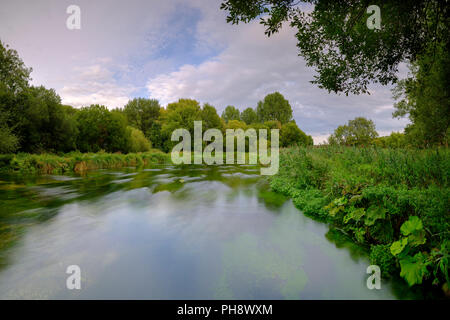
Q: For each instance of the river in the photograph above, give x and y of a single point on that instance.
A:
(169, 232)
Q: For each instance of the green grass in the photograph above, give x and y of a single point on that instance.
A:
(373, 196)
(78, 162)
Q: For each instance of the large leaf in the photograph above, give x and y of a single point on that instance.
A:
(413, 228)
(398, 246)
(373, 214)
(413, 269)
(412, 225)
(355, 214)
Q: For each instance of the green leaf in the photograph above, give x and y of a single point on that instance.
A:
(341, 201)
(417, 238)
(413, 228)
(412, 225)
(398, 246)
(355, 199)
(356, 215)
(413, 269)
(373, 214)
(336, 210)
(359, 234)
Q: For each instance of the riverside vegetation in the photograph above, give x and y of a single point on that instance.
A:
(389, 194)
(395, 202)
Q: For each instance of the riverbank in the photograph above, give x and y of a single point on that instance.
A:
(78, 162)
(395, 201)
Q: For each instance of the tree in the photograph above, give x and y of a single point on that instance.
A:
(274, 107)
(358, 132)
(231, 113)
(40, 121)
(180, 115)
(249, 116)
(142, 113)
(394, 140)
(334, 37)
(13, 72)
(290, 134)
(8, 141)
(14, 77)
(236, 124)
(138, 141)
(424, 98)
(210, 118)
(100, 129)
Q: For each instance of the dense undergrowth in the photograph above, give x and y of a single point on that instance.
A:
(394, 201)
(78, 162)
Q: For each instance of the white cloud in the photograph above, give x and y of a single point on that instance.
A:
(253, 65)
(128, 47)
(95, 84)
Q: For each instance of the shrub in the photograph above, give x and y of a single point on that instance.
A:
(381, 256)
(138, 142)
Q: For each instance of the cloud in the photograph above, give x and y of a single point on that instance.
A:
(253, 65)
(176, 49)
(95, 84)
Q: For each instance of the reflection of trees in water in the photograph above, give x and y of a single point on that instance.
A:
(27, 200)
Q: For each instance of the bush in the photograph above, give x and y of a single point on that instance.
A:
(138, 142)
(8, 141)
(381, 256)
(395, 200)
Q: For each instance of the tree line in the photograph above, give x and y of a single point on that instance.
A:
(347, 56)
(34, 120)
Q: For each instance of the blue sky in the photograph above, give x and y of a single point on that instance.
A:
(175, 49)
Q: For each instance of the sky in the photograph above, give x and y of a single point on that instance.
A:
(174, 49)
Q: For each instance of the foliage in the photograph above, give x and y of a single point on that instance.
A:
(394, 200)
(41, 122)
(380, 255)
(142, 114)
(14, 75)
(138, 143)
(291, 135)
(394, 140)
(180, 115)
(249, 116)
(77, 162)
(231, 113)
(100, 129)
(424, 97)
(8, 141)
(210, 118)
(333, 36)
(359, 131)
(274, 107)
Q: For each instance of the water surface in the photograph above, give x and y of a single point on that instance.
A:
(170, 233)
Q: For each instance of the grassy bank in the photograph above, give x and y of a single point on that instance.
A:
(77, 162)
(394, 201)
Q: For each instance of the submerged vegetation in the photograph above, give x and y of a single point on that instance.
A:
(395, 201)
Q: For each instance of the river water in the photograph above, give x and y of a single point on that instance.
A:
(171, 233)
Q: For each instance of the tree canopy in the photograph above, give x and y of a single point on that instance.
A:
(358, 132)
(231, 113)
(274, 107)
(334, 38)
(424, 97)
(249, 116)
